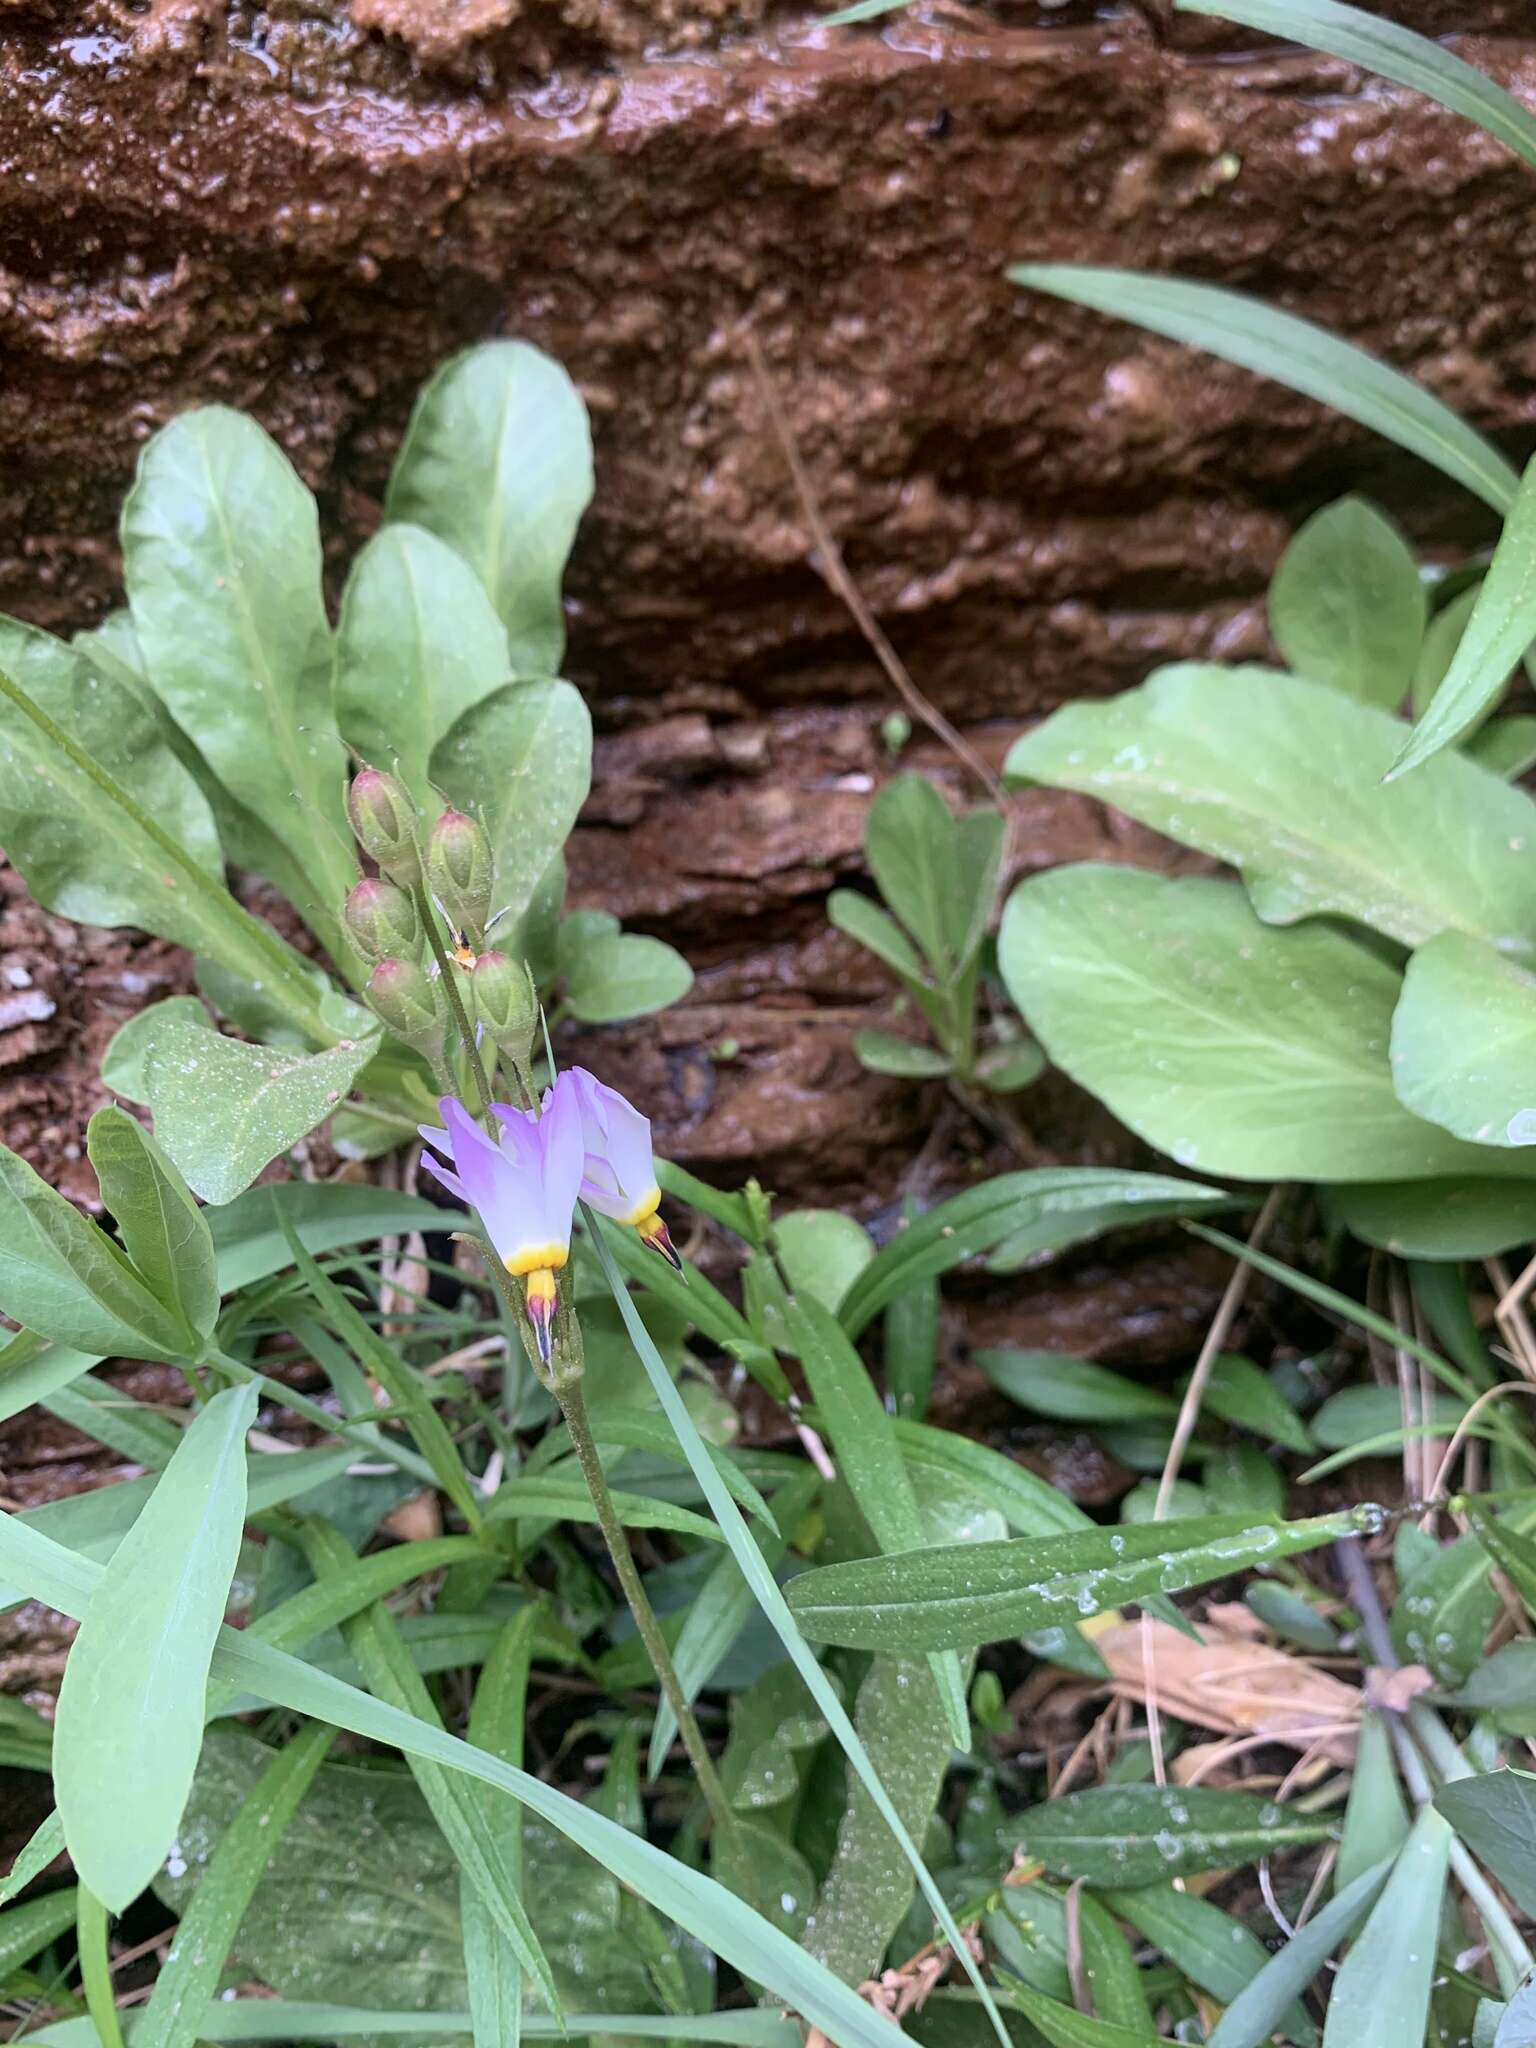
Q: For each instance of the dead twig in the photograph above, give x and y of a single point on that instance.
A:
(829, 560)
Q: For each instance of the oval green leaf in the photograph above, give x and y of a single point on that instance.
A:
(521, 762)
(497, 462)
(1346, 606)
(1282, 779)
(1232, 1046)
(418, 644)
(1463, 1038)
(221, 555)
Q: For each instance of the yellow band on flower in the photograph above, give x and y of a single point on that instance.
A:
(537, 1258)
(643, 1211)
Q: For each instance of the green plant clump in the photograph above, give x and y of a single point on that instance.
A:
(456, 1665)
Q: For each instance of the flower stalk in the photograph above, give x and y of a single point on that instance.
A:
(461, 1024)
(521, 1174)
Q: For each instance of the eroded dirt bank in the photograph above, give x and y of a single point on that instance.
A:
(301, 211)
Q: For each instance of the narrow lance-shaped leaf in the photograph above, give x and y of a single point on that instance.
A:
(1391, 51)
(771, 1601)
(1254, 2013)
(288, 2019)
(1214, 1950)
(491, 1963)
(63, 1277)
(957, 1597)
(1044, 1208)
(1144, 1834)
(1380, 1997)
(405, 1391)
(1501, 628)
(107, 826)
(130, 1718)
(1295, 352)
(474, 1827)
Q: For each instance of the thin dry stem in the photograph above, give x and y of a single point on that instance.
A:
(1183, 1429)
(835, 570)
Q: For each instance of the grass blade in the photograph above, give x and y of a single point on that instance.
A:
(46, 1842)
(717, 1616)
(1500, 629)
(860, 1430)
(1294, 352)
(1381, 1995)
(472, 1826)
(208, 1928)
(1213, 1950)
(766, 1591)
(1378, 1326)
(1043, 1209)
(1256, 2012)
(744, 1939)
(130, 1718)
(282, 2019)
(428, 1430)
(26, 1929)
(95, 1966)
(491, 1964)
(1391, 52)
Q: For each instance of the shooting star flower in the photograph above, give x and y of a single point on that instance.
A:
(524, 1189)
(619, 1174)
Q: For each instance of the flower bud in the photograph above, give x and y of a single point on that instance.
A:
(381, 920)
(384, 819)
(460, 870)
(405, 1000)
(507, 1003)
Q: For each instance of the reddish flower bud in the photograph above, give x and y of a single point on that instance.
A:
(460, 870)
(507, 1003)
(384, 819)
(405, 1000)
(381, 920)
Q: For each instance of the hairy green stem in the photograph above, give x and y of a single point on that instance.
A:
(427, 912)
(297, 995)
(96, 1969)
(565, 1385)
(573, 1407)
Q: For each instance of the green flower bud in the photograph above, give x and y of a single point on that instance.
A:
(507, 1003)
(384, 819)
(460, 870)
(406, 1001)
(381, 921)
